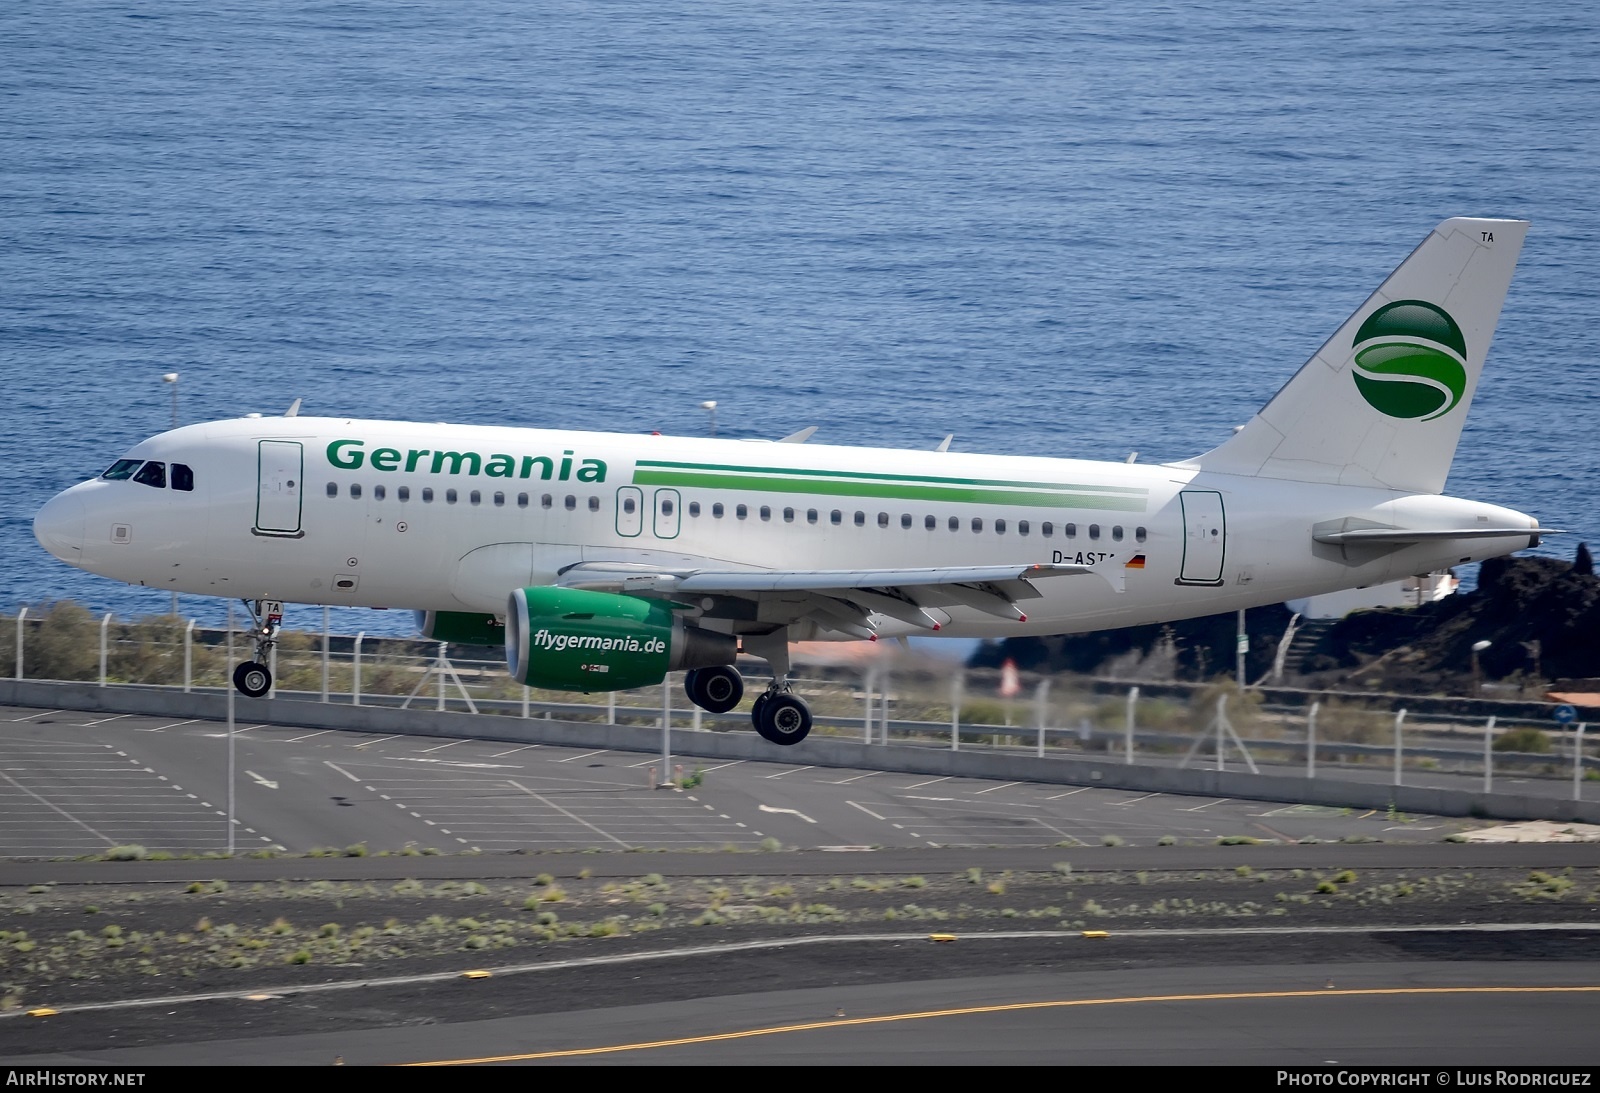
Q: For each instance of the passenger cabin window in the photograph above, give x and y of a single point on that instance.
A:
(1116, 534)
(977, 523)
(571, 503)
(999, 527)
(594, 505)
(955, 523)
(451, 496)
(182, 477)
(883, 519)
(666, 505)
(1139, 534)
(930, 523)
(717, 510)
(1022, 527)
(811, 516)
(1070, 530)
(836, 517)
(905, 520)
(861, 519)
(402, 493)
(1047, 529)
(153, 473)
(741, 511)
(475, 497)
(694, 508)
(333, 489)
(427, 493)
(766, 512)
(788, 515)
(499, 499)
(379, 493)
(121, 469)
(1094, 531)
(355, 491)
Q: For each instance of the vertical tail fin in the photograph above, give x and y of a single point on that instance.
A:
(1382, 402)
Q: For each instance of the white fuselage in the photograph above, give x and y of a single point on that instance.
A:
(369, 513)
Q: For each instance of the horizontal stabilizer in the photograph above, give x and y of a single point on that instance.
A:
(1402, 535)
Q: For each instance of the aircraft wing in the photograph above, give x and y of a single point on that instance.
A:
(843, 600)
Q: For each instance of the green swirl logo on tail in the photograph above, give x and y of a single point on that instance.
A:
(1411, 360)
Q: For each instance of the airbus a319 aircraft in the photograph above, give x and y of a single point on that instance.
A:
(604, 561)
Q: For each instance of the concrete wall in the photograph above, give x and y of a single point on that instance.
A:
(821, 751)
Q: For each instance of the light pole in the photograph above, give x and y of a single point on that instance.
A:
(710, 407)
(1477, 673)
(172, 378)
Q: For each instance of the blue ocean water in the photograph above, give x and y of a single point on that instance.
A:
(1057, 229)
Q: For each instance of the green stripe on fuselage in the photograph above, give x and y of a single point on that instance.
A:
(856, 476)
(897, 490)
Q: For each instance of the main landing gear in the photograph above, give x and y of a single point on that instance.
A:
(780, 717)
(253, 678)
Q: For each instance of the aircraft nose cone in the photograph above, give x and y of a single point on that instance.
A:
(59, 527)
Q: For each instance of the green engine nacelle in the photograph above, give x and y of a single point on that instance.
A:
(570, 639)
(461, 627)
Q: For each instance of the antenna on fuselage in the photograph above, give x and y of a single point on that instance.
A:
(799, 438)
(293, 410)
(944, 445)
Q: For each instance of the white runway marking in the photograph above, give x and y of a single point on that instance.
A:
(991, 789)
(54, 808)
(854, 778)
(867, 810)
(579, 819)
(260, 781)
(791, 812)
(792, 770)
(175, 724)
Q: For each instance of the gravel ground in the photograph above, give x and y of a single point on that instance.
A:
(68, 946)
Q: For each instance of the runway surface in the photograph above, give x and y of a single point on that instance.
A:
(74, 783)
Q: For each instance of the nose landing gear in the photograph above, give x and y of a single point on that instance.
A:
(253, 678)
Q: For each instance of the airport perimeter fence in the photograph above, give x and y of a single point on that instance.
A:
(908, 701)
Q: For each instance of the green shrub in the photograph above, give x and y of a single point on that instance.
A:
(1528, 739)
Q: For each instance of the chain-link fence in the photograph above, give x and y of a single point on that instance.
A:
(907, 701)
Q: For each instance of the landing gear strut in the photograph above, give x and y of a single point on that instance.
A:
(253, 678)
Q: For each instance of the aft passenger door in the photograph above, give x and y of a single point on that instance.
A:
(280, 485)
(1205, 537)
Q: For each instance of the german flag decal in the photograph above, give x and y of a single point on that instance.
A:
(1135, 562)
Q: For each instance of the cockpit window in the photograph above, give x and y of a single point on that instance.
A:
(182, 477)
(153, 473)
(122, 468)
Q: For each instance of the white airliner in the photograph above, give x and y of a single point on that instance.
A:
(603, 561)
